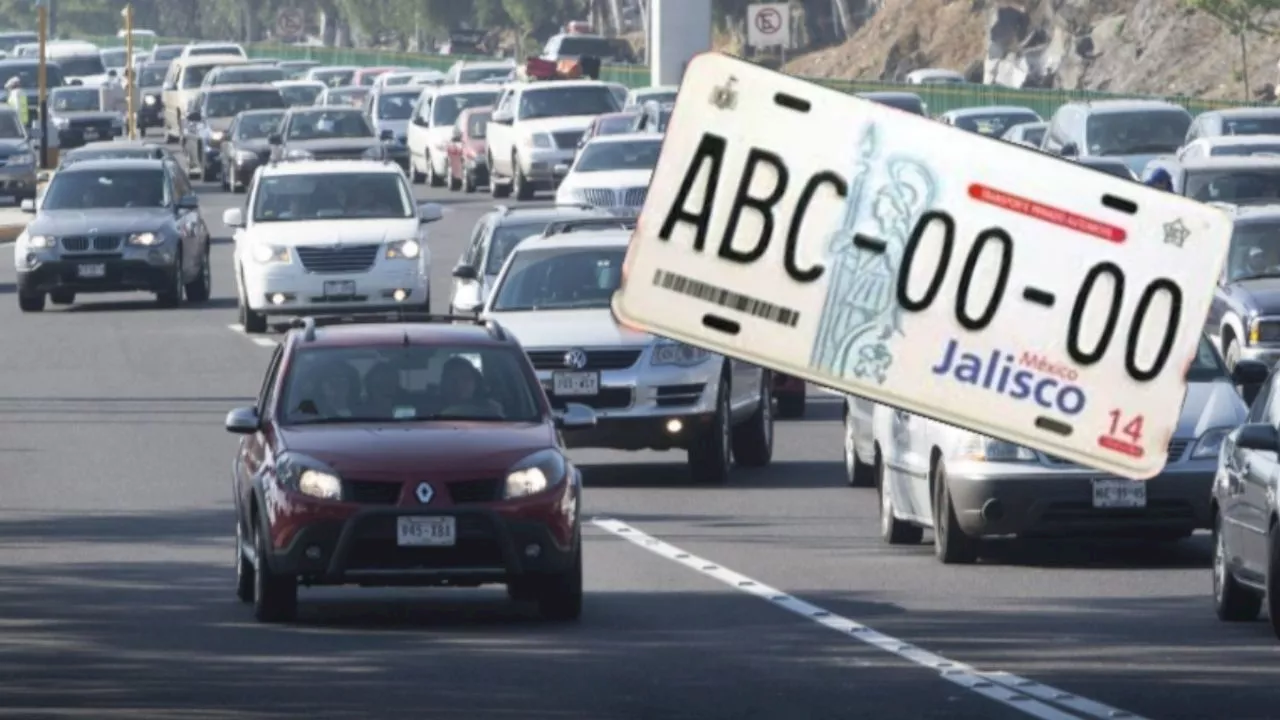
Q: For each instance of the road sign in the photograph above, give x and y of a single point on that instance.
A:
(769, 25)
(290, 23)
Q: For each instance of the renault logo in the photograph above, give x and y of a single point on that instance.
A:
(575, 359)
(424, 493)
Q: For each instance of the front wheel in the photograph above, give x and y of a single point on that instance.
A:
(1232, 601)
(709, 454)
(275, 597)
(524, 190)
(559, 596)
(433, 179)
(857, 473)
(30, 302)
(171, 296)
(1231, 354)
(950, 544)
(198, 290)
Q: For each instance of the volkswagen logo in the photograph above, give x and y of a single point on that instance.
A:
(424, 493)
(575, 359)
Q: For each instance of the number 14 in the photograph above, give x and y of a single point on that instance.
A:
(1132, 428)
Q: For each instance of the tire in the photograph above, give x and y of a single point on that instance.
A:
(498, 190)
(1273, 579)
(791, 405)
(433, 180)
(752, 440)
(172, 297)
(30, 302)
(1231, 354)
(415, 177)
(892, 530)
(275, 597)
(559, 596)
(223, 179)
(254, 323)
(521, 187)
(468, 182)
(1232, 601)
(950, 544)
(198, 290)
(710, 453)
(244, 570)
(62, 297)
(856, 472)
(455, 183)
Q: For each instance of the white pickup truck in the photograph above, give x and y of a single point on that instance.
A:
(535, 129)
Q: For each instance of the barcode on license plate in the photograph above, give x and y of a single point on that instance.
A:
(726, 298)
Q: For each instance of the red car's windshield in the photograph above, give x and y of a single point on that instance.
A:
(408, 384)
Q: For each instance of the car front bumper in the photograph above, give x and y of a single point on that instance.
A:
(1061, 504)
(338, 544)
(119, 274)
(539, 166)
(301, 292)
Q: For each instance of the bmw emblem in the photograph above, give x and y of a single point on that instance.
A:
(424, 493)
(575, 359)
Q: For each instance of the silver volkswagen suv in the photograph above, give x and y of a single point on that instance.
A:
(553, 294)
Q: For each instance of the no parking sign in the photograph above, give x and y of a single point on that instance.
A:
(769, 25)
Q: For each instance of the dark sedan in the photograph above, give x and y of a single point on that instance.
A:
(247, 146)
(111, 226)
(332, 133)
(115, 150)
(1244, 319)
(211, 116)
(147, 103)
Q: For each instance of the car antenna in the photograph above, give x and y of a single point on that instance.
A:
(406, 338)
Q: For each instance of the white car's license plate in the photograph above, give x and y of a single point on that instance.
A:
(420, 531)
(91, 270)
(1119, 493)
(90, 134)
(575, 383)
(918, 265)
(339, 288)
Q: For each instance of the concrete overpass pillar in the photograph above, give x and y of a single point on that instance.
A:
(678, 30)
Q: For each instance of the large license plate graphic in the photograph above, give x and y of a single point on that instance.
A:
(954, 276)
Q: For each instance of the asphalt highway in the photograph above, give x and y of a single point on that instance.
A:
(768, 599)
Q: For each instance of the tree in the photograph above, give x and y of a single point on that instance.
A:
(1240, 17)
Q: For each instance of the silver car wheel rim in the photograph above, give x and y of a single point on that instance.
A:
(886, 509)
(848, 446)
(724, 428)
(1219, 565)
(766, 410)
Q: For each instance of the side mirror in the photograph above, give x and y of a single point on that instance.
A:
(1249, 375)
(194, 116)
(243, 421)
(233, 217)
(457, 135)
(429, 213)
(465, 272)
(28, 206)
(560, 169)
(387, 135)
(189, 202)
(501, 118)
(576, 416)
(1069, 150)
(1258, 436)
(275, 139)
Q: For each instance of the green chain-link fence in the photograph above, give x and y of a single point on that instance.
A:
(939, 98)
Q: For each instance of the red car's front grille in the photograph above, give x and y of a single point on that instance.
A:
(387, 492)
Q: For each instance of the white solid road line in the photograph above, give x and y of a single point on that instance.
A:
(265, 342)
(1026, 696)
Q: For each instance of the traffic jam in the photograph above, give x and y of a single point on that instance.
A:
(1027, 342)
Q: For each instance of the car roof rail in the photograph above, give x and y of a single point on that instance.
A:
(503, 209)
(562, 227)
(309, 323)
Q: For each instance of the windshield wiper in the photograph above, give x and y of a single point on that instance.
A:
(337, 420)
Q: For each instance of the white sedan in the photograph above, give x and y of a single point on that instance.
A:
(611, 171)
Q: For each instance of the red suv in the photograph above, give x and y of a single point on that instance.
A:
(405, 453)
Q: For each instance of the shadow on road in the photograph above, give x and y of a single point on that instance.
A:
(8, 288)
(779, 475)
(219, 303)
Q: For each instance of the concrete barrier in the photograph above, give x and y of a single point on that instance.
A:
(12, 222)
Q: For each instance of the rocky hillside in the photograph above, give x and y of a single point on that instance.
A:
(1128, 46)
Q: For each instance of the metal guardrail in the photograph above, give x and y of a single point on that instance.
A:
(939, 98)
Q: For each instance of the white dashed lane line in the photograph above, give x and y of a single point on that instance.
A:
(1027, 696)
(266, 342)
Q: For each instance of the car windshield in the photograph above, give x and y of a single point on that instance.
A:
(215, 50)
(10, 128)
(332, 196)
(152, 75)
(445, 109)
(346, 96)
(257, 126)
(81, 190)
(1034, 135)
(113, 58)
(1264, 125)
(1253, 186)
(566, 101)
(249, 76)
(301, 94)
(560, 279)
(616, 124)
(662, 96)
(396, 106)
(77, 100)
(477, 124)
(1116, 167)
(505, 239)
(1240, 150)
(231, 103)
(80, 66)
(1206, 366)
(408, 384)
(319, 124)
(1255, 250)
(619, 155)
(28, 75)
(994, 124)
(9, 41)
(1140, 132)
(908, 103)
(193, 75)
(333, 78)
(475, 75)
(166, 52)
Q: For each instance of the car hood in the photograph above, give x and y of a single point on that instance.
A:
(323, 144)
(561, 328)
(1264, 293)
(9, 146)
(114, 221)
(476, 449)
(558, 124)
(331, 232)
(257, 145)
(609, 179)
